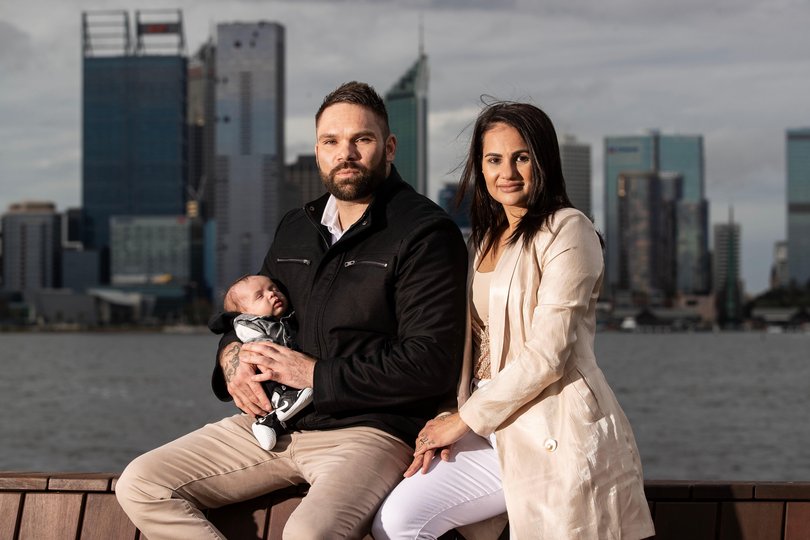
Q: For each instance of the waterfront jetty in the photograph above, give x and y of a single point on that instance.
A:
(82, 506)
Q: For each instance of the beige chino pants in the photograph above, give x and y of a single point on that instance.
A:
(350, 472)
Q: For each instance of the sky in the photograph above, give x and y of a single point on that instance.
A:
(736, 72)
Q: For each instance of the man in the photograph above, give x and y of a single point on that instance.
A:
(376, 275)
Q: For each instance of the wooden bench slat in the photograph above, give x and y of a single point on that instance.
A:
(50, 516)
(797, 521)
(104, 519)
(668, 490)
(735, 491)
(23, 481)
(679, 520)
(783, 491)
(751, 520)
(9, 510)
(80, 482)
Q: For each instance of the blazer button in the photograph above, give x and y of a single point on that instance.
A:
(550, 445)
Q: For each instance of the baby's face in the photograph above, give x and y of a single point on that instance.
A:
(258, 295)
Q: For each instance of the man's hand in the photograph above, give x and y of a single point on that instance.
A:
(279, 363)
(247, 394)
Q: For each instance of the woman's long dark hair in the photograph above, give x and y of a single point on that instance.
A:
(547, 190)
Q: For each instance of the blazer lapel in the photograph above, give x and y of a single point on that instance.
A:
(463, 392)
(498, 300)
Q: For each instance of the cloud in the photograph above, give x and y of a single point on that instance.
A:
(735, 71)
(15, 48)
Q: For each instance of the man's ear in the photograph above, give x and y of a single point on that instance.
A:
(390, 148)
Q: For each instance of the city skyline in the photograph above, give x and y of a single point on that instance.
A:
(734, 73)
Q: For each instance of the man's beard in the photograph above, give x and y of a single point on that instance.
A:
(357, 187)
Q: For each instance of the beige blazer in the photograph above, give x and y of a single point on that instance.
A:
(568, 458)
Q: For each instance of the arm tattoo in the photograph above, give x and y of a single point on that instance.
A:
(232, 358)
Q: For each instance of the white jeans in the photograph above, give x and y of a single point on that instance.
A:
(465, 490)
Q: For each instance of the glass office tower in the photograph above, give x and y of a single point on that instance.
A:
(133, 121)
(31, 246)
(406, 103)
(249, 145)
(576, 168)
(656, 153)
(727, 283)
(798, 205)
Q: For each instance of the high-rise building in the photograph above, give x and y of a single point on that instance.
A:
(31, 247)
(691, 251)
(726, 269)
(133, 119)
(576, 169)
(80, 267)
(680, 154)
(72, 228)
(779, 270)
(200, 117)
(684, 154)
(156, 250)
(645, 246)
(249, 145)
(407, 105)
(459, 213)
(303, 179)
(798, 205)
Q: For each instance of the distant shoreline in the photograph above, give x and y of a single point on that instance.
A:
(70, 329)
(187, 329)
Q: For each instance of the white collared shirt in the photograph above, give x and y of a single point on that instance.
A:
(331, 220)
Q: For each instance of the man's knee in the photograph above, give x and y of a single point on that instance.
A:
(138, 484)
(326, 525)
(299, 527)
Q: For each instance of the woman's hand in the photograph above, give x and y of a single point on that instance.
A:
(438, 434)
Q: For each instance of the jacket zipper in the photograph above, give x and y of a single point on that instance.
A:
(372, 263)
(320, 313)
(301, 261)
(326, 242)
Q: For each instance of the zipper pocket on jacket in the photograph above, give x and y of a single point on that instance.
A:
(299, 261)
(372, 263)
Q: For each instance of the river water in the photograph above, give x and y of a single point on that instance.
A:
(727, 406)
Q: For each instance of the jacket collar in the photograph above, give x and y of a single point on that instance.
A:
(376, 209)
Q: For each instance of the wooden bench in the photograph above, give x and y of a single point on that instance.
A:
(58, 506)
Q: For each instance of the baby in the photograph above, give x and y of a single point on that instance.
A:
(263, 316)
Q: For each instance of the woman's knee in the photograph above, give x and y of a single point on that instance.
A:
(399, 519)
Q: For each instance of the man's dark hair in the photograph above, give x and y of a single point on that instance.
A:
(357, 93)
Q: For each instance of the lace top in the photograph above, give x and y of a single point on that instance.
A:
(480, 324)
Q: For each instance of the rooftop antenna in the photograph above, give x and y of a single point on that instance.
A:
(421, 37)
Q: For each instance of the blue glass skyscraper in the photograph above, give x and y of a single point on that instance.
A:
(406, 103)
(133, 122)
(798, 205)
(680, 154)
(249, 169)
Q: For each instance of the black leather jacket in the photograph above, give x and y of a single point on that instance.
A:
(383, 310)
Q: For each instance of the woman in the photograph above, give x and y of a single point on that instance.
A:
(539, 432)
